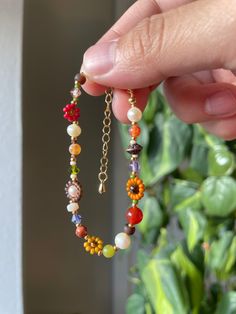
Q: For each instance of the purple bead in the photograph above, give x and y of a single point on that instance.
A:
(76, 219)
(134, 166)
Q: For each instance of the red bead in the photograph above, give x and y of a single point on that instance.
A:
(81, 231)
(134, 215)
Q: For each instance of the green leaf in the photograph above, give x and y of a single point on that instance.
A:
(169, 141)
(135, 304)
(221, 256)
(151, 108)
(185, 194)
(198, 160)
(228, 304)
(148, 309)
(231, 258)
(142, 260)
(164, 287)
(190, 174)
(220, 161)
(152, 215)
(146, 171)
(219, 196)
(194, 278)
(194, 223)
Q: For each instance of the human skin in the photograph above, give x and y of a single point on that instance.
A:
(188, 45)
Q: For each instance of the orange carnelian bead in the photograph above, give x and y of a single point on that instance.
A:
(134, 130)
(75, 149)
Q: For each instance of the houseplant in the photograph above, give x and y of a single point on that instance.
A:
(187, 252)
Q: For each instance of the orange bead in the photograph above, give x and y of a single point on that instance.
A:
(75, 149)
(134, 130)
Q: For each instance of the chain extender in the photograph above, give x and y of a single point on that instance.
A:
(106, 130)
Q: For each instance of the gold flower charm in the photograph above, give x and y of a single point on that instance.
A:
(93, 245)
(135, 188)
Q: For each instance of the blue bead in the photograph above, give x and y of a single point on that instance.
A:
(76, 219)
(134, 166)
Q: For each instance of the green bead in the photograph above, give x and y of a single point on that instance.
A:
(135, 202)
(108, 251)
(132, 176)
(75, 170)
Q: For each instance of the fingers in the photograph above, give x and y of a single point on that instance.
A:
(194, 102)
(174, 43)
(224, 128)
(136, 13)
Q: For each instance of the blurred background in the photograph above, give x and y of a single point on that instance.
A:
(185, 258)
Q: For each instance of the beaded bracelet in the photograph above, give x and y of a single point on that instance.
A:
(134, 187)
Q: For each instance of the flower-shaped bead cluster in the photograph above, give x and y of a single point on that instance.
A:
(93, 245)
(71, 113)
(135, 188)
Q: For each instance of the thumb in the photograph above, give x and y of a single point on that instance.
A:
(184, 40)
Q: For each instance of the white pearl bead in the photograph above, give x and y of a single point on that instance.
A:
(74, 130)
(134, 114)
(72, 191)
(73, 163)
(72, 207)
(73, 176)
(132, 142)
(122, 241)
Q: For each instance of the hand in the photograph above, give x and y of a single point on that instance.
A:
(190, 45)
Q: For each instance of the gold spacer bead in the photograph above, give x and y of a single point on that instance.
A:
(86, 237)
(99, 253)
(115, 248)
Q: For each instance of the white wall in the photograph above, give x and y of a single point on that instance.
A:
(10, 156)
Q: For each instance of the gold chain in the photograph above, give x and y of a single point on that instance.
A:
(106, 130)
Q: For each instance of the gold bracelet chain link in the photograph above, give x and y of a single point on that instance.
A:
(106, 130)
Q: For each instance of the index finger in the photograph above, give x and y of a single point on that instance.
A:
(137, 12)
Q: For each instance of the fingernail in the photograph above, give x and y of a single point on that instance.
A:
(221, 103)
(99, 59)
